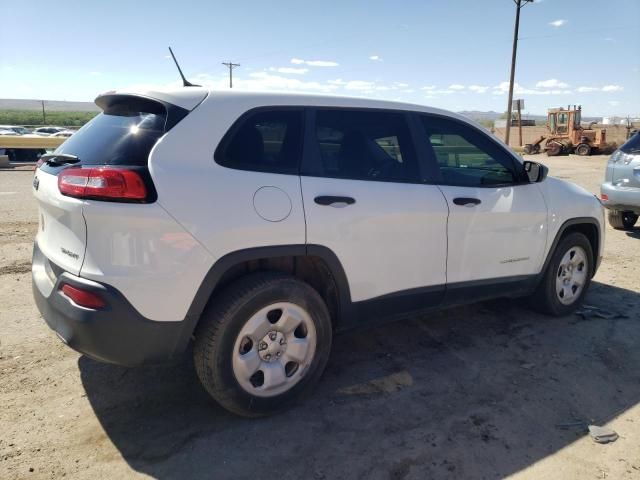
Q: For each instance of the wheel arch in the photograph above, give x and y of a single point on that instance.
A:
(589, 227)
(317, 265)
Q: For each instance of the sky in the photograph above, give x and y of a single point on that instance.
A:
(452, 54)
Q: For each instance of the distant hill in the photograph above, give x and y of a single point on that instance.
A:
(478, 115)
(49, 105)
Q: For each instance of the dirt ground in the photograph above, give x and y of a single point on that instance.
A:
(484, 391)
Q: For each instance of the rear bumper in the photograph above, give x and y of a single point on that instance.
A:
(621, 198)
(115, 334)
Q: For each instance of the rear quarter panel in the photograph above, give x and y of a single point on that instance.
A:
(144, 253)
(214, 203)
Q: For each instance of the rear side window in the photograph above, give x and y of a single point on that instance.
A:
(363, 145)
(265, 141)
(124, 133)
(632, 146)
(465, 156)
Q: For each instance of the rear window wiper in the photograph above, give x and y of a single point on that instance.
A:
(59, 158)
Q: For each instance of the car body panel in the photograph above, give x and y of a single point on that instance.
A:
(374, 238)
(565, 201)
(504, 235)
(621, 187)
(62, 232)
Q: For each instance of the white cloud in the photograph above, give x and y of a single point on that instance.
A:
(441, 92)
(400, 84)
(375, 58)
(551, 83)
(558, 23)
(314, 63)
(518, 89)
(614, 103)
(612, 88)
(292, 70)
(321, 63)
(359, 85)
(587, 89)
(264, 81)
(478, 88)
(428, 87)
(456, 86)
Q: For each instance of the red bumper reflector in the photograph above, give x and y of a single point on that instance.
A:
(83, 298)
(604, 196)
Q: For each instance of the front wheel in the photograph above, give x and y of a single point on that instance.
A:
(622, 220)
(566, 278)
(583, 150)
(262, 343)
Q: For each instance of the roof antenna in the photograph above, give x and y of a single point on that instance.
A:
(185, 82)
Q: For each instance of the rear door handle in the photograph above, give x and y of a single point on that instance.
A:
(470, 202)
(333, 201)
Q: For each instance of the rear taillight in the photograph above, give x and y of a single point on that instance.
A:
(604, 196)
(84, 298)
(102, 183)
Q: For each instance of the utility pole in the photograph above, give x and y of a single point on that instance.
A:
(44, 115)
(519, 5)
(231, 66)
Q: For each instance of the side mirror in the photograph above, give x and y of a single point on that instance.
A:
(535, 171)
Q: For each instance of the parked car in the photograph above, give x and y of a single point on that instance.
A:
(262, 223)
(63, 133)
(620, 192)
(16, 129)
(47, 131)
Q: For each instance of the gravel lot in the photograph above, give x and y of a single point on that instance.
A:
(471, 392)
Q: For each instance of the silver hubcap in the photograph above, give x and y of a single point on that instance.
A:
(571, 276)
(274, 349)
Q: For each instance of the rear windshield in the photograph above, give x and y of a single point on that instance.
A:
(632, 145)
(124, 133)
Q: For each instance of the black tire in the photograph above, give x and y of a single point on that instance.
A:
(554, 149)
(545, 298)
(221, 324)
(583, 150)
(622, 220)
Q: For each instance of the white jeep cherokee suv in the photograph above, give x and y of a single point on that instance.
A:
(255, 225)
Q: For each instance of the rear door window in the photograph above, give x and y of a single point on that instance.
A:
(363, 145)
(264, 141)
(124, 133)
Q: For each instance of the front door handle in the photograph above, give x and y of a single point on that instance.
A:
(469, 202)
(333, 201)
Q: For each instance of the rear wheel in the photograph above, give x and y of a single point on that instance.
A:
(567, 277)
(622, 220)
(583, 149)
(553, 149)
(262, 343)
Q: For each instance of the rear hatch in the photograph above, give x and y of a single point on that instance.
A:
(623, 169)
(120, 138)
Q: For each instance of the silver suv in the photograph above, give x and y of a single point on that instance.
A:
(620, 191)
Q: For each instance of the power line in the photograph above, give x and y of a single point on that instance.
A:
(230, 65)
